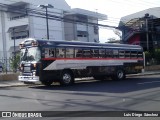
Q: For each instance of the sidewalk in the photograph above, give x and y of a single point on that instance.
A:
(16, 83)
(11, 83)
(146, 73)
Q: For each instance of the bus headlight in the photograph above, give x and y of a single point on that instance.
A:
(34, 73)
(34, 65)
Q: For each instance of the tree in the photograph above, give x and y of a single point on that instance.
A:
(15, 60)
(157, 55)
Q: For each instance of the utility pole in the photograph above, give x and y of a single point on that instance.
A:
(14, 43)
(147, 36)
(14, 49)
(46, 6)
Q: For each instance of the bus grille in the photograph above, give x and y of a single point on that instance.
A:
(27, 69)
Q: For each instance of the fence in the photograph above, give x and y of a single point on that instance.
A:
(6, 65)
(7, 62)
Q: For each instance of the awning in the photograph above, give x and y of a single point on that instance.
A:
(18, 28)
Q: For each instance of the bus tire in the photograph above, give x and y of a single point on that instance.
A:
(66, 78)
(47, 82)
(119, 75)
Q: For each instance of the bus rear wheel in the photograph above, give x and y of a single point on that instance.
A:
(119, 75)
(67, 78)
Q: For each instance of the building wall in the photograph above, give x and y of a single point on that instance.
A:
(147, 23)
(69, 28)
(58, 30)
(72, 29)
(37, 26)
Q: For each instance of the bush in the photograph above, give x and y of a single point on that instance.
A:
(157, 55)
(15, 60)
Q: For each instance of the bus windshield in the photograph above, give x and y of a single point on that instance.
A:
(30, 54)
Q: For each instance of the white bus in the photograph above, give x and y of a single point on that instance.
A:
(47, 61)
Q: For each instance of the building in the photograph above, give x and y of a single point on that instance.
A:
(23, 19)
(84, 26)
(142, 28)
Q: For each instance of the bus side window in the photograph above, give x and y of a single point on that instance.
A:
(78, 53)
(69, 53)
(140, 54)
(121, 54)
(60, 52)
(95, 53)
(46, 53)
(115, 53)
(87, 53)
(52, 52)
(102, 53)
(127, 54)
(109, 53)
(133, 54)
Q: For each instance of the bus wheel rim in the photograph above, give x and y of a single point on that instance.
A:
(120, 74)
(66, 78)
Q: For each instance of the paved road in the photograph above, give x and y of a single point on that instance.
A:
(141, 93)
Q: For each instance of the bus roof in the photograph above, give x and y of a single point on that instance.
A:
(79, 44)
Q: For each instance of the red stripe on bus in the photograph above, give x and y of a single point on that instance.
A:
(92, 59)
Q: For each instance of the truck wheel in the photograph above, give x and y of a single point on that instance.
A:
(67, 78)
(119, 75)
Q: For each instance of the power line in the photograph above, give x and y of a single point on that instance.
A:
(41, 14)
(36, 13)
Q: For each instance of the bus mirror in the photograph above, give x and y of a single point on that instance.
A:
(21, 46)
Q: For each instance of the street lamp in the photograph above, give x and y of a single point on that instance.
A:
(46, 6)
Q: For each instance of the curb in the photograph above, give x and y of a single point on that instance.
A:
(144, 74)
(10, 83)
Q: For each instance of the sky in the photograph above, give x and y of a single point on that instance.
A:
(114, 9)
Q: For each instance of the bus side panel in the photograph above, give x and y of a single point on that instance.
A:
(133, 68)
(49, 74)
(95, 70)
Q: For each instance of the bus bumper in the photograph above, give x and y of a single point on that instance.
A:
(28, 78)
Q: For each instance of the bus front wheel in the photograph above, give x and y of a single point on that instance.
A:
(119, 75)
(67, 78)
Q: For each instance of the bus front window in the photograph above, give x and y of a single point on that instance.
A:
(30, 54)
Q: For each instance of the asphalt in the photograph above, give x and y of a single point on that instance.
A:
(16, 83)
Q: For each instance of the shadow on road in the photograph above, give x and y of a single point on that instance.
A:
(124, 86)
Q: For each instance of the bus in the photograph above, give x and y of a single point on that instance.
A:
(49, 61)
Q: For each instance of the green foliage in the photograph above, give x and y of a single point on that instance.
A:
(14, 63)
(148, 54)
(152, 57)
(157, 55)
